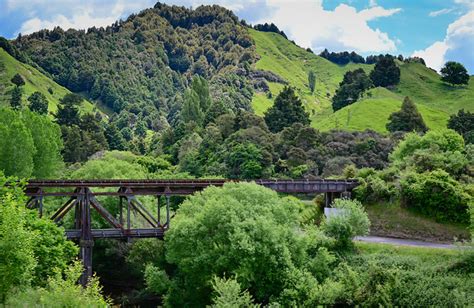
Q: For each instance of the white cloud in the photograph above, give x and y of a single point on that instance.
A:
(440, 12)
(458, 45)
(73, 14)
(372, 3)
(310, 25)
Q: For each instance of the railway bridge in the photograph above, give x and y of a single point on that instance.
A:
(83, 196)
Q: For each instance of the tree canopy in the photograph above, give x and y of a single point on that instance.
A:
(386, 72)
(454, 73)
(407, 119)
(286, 111)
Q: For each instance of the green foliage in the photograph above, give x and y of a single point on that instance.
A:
(68, 111)
(62, 292)
(436, 194)
(191, 108)
(351, 88)
(463, 123)
(228, 294)
(15, 100)
(350, 220)
(408, 119)
(435, 150)
(16, 242)
(386, 72)
(286, 111)
(311, 81)
(38, 103)
(454, 73)
(17, 80)
(157, 280)
(235, 230)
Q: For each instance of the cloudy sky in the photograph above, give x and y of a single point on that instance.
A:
(437, 30)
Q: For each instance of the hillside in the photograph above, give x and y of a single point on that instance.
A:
(435, 99)
(34, 81)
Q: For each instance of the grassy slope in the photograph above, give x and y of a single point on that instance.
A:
(435, 100)
(293, 63)
(35, 81)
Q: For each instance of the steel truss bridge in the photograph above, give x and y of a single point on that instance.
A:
(82, 196)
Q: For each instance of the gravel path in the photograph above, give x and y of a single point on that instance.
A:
(402, 242)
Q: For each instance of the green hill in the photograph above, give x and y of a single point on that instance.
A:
(34, 81)
(435, 99)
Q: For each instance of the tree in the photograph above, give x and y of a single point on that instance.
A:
(351, 88)
(115, 138)
(286, 111)
(311, 81)
(17, 80)
(463, 123)
(16, 243)
(191, 110)
(68, 110)
(16, 145)
(238, 229)
(454, 73)
(15, 100)
(407, 119)
(38, 103)
(386, 72)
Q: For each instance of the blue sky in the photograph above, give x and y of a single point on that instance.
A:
(434, 29)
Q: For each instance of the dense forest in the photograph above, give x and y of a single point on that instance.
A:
(171, 92)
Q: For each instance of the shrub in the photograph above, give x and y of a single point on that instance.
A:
(228, 294)
(435, 194)
(372, 188)
(349, 222)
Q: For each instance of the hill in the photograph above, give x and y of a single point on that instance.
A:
(435, 99)
(34, 81)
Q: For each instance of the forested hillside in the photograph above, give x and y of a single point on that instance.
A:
(137, 66)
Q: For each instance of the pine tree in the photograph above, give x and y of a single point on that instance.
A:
(200, 86)
(408, 119)
(17, 80)
(286, 111)
(115, 138)
(38, 103)
(311, 81)
(68, 110)
(15, 100)
(191, 110)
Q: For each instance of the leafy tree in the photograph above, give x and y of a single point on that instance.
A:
(463, 123)
(191, 110)
(38, 103)
(16, 242)
(286, 111)
(68, 110)
(16, 145)
(407, 119)
(454, 73)
(46, 135)
(311, 81)
(385, 73)
(17, 80)
(351, 88)
(200, 86)
(238, 230)
(436, 194)
(228, 294)
(351, 220)
(62, 292)
(15, 100)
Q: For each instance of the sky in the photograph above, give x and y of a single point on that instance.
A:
(437, 30)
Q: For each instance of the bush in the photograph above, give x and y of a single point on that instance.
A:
(247, 231)
(372, 188)
(228, 294)
(349, 222)
(62, 292)
(436, 194)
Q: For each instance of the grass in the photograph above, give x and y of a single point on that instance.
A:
(423, 254)
(34, 81)
(395, 221)
(435, 100)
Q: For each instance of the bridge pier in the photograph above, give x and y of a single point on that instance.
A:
(86, 241)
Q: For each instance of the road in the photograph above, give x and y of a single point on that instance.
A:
(402, 242)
